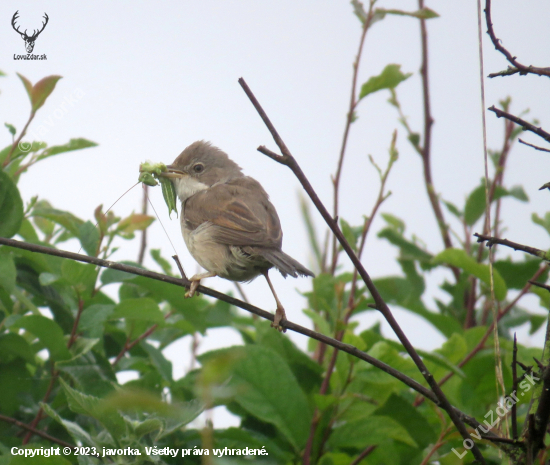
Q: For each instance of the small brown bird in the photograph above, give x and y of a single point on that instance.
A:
(228, 223)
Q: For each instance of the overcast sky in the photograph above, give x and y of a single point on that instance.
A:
(153, 77)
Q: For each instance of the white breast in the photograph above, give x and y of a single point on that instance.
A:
(188, 186)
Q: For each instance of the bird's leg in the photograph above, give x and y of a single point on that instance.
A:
(280, 311)
(196, 280)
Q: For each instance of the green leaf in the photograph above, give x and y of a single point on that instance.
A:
(13, 345)
(80, 275)
(134, 222)
(48, 333)
(389, 78)
(73, 144)
(90, 405)
(40, 91)
(376, 428)
(110, 275)
(143, 309)
(11, 128)
(349, 233)
(416, 424)
(475, 205)
(409, 250)
(423, 13)
(544, 222)
(163, 366)
(7, 271)
(11, 207)
(89, 238)
(14, 381)
(70, 222)
(261, 379)
(516, 274)
(74, 429)
(161, 261)
(460, 259)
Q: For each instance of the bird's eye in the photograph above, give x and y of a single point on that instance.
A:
(198, 168)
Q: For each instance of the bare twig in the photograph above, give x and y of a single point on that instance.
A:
(349, 120)
(513, 245)
(287, 159)
(515, 388)
(425, 150)
(536, 147)
(517, 66)
(18, 140)
(363, 455)
(35, 431)
(526, 125)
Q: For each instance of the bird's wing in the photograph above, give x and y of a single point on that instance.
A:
(241, 212)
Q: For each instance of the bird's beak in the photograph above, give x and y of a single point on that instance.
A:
(173, 173)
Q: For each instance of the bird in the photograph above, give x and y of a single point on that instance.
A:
(227, 221)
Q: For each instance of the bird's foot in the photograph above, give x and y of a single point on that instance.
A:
(280, 315)
(193, 288)
(196, 281)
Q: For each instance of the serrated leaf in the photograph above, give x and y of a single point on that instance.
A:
(74, 429)
(389, 78)
(460, 259)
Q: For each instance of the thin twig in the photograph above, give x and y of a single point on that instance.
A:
(526, 125)
(518, 67)
(536, 147)
(515, 388)
(349, 120)
(363, 454)
(513, 245)
(35, 431)
(425, 150)
(18, 140)
(287, 159)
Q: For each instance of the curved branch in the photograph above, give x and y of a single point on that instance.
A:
(517, 66)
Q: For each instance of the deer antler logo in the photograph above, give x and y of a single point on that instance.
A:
(29, 40)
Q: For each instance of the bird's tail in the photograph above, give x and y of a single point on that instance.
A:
(283, 262)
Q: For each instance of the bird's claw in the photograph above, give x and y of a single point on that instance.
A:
(279, 316)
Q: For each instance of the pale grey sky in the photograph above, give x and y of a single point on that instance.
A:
(154, 77)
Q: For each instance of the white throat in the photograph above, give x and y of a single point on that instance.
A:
(188, 186)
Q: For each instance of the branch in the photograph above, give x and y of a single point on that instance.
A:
(527, 126)
(536, 147)
(517, 66)
(425, 150)
(513, 245)
(287, 159)
(22, 425)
